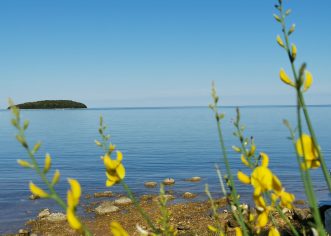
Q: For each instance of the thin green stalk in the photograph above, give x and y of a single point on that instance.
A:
(137, 205)
(303, 105)
(234, 194)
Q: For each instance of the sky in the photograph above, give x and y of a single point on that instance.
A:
(137, 53)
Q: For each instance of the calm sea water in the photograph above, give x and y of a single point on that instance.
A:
(157, 143)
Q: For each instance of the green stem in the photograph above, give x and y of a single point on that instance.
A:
(137, 205)
(234, 194)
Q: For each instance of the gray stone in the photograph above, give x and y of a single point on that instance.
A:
(150, 184)
(103, 194)
(168, 181)
(23, 232)
(189, 195)
(44, 213)
(56, 217)
(106, 208)
(123, 201)
(194, 179)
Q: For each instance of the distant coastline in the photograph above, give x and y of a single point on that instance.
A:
(51, 104)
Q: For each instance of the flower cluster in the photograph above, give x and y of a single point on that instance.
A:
(307, 150)
(115, 170)
(266, 186)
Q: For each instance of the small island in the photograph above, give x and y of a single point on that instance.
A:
(51, 104)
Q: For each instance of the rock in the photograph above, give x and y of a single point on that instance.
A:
(150, 184)
(123, 201)
(106, 208)
(44, 213)
(299, 202)
(168, 181)
(168, 197)
(33, 197)
(103, 194)
(56, 217)
(194, 179)
(23, 232)
(302, 214)
(189, 195)
(88, 196)
(146, 197)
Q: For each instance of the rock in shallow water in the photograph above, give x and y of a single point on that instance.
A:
(189, 195)
(194, 179)
(168, 181)
(150, 184)
(103, 194)
(123, 201)
(106, 208)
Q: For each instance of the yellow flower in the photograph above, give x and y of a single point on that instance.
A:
(310, 153)
(280, 41)
(115, 170)
(308, 81)
(244, 160)
(73, 220)
(294, 52)
(262, 219)
(238, 231)
(273, 232)
(74, 193)
(56, 177)
(285, 78)
(243, 178)
(261, 180)
(117, 229)
(252, 150)
(37, 191)
(24, 164)
(286, 199)
(48, 163)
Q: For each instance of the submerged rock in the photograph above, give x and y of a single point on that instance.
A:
(189, 195)
(194, 179)
(168, 181)
(123, 201)
(150, 184)
(103, 194)
(106, 208)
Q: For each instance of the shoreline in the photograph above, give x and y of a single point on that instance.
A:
(188, 218)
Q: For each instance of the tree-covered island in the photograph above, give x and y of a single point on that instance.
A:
(51, 104)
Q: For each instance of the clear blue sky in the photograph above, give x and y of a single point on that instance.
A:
(157, 52)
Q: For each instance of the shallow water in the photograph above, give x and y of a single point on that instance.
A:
(156, 143)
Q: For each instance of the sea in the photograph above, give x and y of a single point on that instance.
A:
(157, 143)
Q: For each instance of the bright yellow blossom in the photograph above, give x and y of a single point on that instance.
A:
(285, 78)
(243, 178)
(37, 191)
(117, 229)
(56, 177)
(48, 163)
(24, 164)
(74, 193)
(310, 153)
(273, 232)
(294, 51)
(238, 231)
(115, 170)
(73, 220)
(308, 81)
(280, 41)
